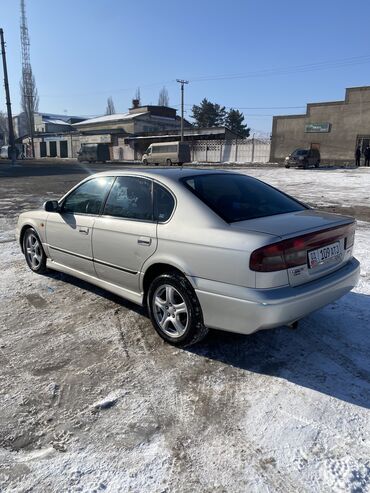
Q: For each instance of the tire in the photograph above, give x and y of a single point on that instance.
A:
(287, 166)
(317, 165)
(168, 162)
(168, 292)
(33, 252)
(145, 162)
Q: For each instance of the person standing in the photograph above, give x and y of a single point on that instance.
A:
(358, 156)
(367, 156)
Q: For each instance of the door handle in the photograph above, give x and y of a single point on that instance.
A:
(84, 231)
(143, 240)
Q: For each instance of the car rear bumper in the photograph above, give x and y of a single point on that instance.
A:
(246, 310)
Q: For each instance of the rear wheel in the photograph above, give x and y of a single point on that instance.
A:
(175, 311)
(33, 251)
(145, 162)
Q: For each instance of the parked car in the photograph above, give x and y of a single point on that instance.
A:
(201, 249)
(303, 158)
(93, 153)
(167, 153)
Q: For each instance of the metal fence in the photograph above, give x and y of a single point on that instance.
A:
(235, 151)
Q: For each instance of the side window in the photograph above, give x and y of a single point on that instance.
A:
(164, 203)
(88, 197)
(131, 198)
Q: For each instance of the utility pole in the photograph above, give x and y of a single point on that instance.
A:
(8, 103)
(182, 82)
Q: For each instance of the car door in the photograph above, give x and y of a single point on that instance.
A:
(69, 231)
(125, 235)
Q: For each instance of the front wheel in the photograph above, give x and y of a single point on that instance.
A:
(33, 251)
(145, 162)
(168, 162)
(175, 311)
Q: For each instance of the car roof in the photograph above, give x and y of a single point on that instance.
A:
(168, 174)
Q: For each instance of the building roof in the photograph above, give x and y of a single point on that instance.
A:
(117, 117)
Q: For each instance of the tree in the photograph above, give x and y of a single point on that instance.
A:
(163, 99)
(4, 132)
(234, 121)
(110, 107)
(209, 114)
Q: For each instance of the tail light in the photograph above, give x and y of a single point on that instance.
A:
(293, 252)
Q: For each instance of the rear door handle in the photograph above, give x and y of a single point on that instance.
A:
(84, 231)
(144, 240)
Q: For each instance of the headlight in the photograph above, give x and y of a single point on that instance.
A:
(287, 158)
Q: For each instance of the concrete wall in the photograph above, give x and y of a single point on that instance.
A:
(348, 119)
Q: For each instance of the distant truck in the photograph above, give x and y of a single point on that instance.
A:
(168, 153)
(92, 153)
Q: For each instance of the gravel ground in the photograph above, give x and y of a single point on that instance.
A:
(92, 400)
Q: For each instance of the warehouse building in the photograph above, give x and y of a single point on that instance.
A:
(336, 128)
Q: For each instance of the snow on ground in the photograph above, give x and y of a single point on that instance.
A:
(92, 400)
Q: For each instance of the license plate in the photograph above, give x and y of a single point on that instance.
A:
(324, 254)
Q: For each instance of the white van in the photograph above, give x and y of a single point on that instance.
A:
(167, 153)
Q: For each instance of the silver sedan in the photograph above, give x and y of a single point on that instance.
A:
(202, 249)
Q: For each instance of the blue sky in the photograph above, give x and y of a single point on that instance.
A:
(83, 51)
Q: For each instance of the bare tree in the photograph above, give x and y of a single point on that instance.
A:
(4, 132)
(110, 107)
(163, 99)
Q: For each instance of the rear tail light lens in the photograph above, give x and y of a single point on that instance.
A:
(293, 252)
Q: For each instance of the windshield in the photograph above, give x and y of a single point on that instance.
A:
(237, 197)
(300, 152)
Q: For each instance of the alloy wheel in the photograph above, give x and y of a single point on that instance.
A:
(33, 251)
(170, 311)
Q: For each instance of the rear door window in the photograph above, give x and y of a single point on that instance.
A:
(164, 203)
(131, 197)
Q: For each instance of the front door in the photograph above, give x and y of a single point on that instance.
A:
(125, 236)
(69, 232)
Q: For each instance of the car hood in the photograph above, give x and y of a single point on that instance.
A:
(293, 223)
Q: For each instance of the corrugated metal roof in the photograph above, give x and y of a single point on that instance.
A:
(110, 118)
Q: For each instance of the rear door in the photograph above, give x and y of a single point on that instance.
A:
(125, 236)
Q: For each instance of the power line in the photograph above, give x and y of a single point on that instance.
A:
(271, 72)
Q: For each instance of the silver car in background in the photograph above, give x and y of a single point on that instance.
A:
(202, 249)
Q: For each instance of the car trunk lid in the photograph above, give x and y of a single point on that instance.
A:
(312, 244)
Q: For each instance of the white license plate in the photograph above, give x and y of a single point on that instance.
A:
(324, 254)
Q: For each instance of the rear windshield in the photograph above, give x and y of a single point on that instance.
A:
(238, 197)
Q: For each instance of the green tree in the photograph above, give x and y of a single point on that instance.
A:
(208, 114)
(234, 121)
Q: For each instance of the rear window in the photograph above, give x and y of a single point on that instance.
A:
(301, 152)
(238, 197)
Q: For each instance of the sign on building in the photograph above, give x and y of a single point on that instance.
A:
(317, 128)
(95, 139)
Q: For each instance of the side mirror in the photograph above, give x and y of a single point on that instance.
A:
(51, 206)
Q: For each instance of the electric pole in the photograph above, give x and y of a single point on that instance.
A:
(8, 103)
(182, 82)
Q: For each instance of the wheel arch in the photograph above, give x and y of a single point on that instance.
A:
(27, 225)
(155, 270)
